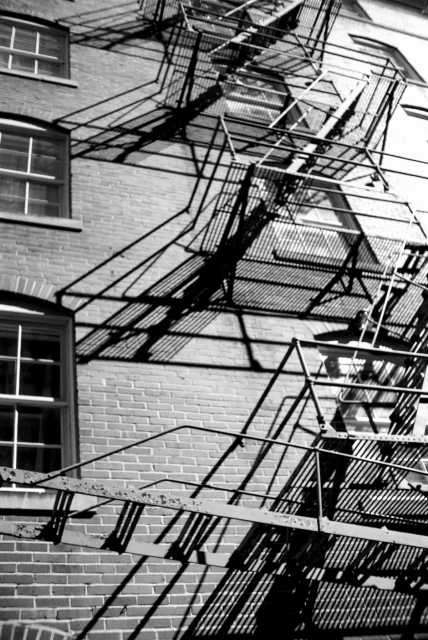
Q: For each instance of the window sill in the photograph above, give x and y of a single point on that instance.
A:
(36, 502)
(43, 221)
(24, 74)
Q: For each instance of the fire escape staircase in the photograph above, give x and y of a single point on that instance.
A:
(326, 499)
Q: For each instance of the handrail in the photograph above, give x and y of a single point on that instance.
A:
(309, 384)
(238, 436)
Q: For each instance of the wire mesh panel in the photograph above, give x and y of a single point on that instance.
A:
(160, 11)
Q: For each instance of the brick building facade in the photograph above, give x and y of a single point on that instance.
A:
(151, 280)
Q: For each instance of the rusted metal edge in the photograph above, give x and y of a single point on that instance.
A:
(219, 560)
(166, 501)
(381, 437)
(217, 509)
(363, 532)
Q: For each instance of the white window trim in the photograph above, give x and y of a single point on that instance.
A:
(13, 125)
(35, 318)
(407, 70)
(39, 28)
(38, 500)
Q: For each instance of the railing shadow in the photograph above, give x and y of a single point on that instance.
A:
(119, 28)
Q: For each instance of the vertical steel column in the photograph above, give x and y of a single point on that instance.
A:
(319, 483)
(310, 384)
(190, 76)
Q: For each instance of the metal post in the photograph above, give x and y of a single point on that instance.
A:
(190, 76)
(319, 483)
(310, 383)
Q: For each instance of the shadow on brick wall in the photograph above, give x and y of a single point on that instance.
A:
(116, 27)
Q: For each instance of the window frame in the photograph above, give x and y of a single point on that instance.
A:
(354, 9)
(343, 233)
(34, 24)
(44, 131)
(380, 49)
(338, 202)
(37, 318)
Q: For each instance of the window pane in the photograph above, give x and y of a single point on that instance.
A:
(12, 195)
(25, 39)
(40, 459)
(45, 158)
(7, 416)
(40, 380)
(24, 63)
(7, 376)
(315, 214)
(6, 456)
(40, 425)
(50, 68)
(51, 44)
(14, 151)
(4, 59)
(5, 35)
(43, 200)
(40, 346)
(8, 341)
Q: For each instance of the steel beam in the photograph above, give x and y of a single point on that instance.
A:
(363, 532)
(163, 501)
(217, 509)
(381, 437)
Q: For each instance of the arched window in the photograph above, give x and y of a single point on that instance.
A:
(33, 169)
(36, 389)
(33, 47)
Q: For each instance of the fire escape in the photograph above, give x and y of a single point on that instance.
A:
(304, 126)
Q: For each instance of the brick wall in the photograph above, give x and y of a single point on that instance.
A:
(156, 347)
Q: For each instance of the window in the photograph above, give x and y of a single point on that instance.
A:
(352, 6)
(33, 169)
(321, 209)
(421, 5)
(33, 48)
(318, 226)
(36, 431)
(416, 112)
(211, 16)
(376, 48)
(260, 95)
